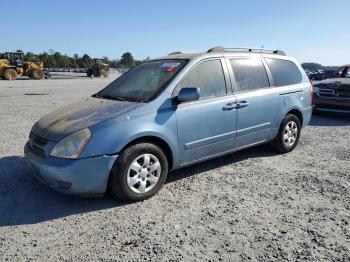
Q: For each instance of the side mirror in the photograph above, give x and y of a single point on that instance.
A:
(188, 94)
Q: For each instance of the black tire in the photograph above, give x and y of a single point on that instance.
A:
(118, 182)
(281, 144)
(10, 74)
(37, 74)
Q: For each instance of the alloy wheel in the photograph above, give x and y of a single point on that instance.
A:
(143, 173)
(290, 133)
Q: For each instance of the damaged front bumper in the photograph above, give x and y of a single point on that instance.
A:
(87, 176)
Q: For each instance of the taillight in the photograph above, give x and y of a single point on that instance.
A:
(311, 92)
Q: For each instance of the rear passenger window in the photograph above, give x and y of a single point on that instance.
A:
(250, 74)
(284, 72)
(209, 77)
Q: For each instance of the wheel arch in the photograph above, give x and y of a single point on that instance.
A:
(10, 67)
(157, 141)
(298, 114)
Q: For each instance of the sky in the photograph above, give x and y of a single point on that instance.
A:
(309, 30)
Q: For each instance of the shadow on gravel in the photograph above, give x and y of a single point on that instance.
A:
(254, 152)
(24, 200)
(329, 120)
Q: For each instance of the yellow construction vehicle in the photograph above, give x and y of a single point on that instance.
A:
(98, 69)
(12, 64)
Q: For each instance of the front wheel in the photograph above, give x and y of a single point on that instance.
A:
(288, 135)
(139, 172)
(36, 74)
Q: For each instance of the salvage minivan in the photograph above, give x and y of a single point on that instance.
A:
(168, 113)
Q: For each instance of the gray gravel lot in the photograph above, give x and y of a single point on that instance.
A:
(254, 205)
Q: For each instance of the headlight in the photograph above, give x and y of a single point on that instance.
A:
(72, 146)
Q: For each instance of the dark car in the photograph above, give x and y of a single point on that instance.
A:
(322, 75)
(333, 95)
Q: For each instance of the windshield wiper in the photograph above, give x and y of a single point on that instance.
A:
(111, 97)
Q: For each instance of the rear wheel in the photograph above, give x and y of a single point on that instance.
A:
(10, 74)
(288, 135)
(37, 74)
(139, 172)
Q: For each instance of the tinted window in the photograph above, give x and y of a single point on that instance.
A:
(209, 77)
(250, 74)
(143, 82)
(284, 72)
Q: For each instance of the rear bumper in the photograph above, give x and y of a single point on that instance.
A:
(306, 112)
(88, 176)
(331, 110)
(331, 105)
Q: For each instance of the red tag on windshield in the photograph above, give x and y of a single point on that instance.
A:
(170, 68)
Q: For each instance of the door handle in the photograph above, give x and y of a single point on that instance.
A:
(242, 104)
(230, 106)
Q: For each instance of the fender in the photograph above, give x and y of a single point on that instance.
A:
(111, 137)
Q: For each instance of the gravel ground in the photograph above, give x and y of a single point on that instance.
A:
(254, 205)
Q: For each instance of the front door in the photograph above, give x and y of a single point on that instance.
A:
(206, 127)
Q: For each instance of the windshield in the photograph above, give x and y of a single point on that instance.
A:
(143, 82)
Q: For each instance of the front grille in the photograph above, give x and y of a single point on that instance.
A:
(37, 144)
(37, 139)
(336, 92)
(326, 92)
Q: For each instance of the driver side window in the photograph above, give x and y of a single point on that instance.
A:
(209, 77)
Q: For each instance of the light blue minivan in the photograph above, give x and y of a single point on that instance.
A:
(168, 113)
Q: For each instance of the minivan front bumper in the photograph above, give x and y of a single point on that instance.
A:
(87, 176)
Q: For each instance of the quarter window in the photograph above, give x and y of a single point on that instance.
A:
(209, 77)
(250, 74)
(284, 72)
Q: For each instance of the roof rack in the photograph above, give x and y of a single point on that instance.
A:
(245, 49)
(175, 53)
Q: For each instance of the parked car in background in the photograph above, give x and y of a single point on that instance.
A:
(168, 113)
(321, 75)
(333, 95)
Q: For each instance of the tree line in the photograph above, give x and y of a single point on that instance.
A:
(315, 66)
(54, 59)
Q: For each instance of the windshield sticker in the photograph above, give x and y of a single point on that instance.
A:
(171, 64)
(170, 69)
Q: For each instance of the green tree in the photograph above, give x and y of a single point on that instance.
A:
(128, 60)
(29, 56)
(58, 58)
(105, 60)
(86, 61)
(312, 66)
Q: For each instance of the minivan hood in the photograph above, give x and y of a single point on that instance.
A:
(79, 115)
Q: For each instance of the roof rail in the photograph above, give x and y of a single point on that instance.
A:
(245, 49)
(175, 53)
